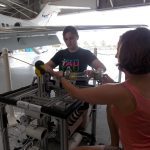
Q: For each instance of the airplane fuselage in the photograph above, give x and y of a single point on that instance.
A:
(7, 21)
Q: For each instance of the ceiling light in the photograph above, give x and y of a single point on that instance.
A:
(72, 7)
(2, 5)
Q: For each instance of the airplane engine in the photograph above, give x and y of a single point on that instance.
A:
(17, 24)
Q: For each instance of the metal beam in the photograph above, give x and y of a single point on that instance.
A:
(19, 11)
(22, 7)
(111, 3)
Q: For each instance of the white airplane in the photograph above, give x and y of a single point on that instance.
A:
(43, 19)
(19, 34)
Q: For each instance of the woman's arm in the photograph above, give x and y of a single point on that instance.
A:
(103, 94)
(112, 93)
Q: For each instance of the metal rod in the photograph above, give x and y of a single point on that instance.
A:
(19, 11)
(21, 60)
(63, 135)
(22, 7)
(111, 3)
(44, 123)
(8, 78)
(119, 76)
(4, 141)
(93, 126)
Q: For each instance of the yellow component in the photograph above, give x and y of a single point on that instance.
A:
(73, 76)
(38, 72)
(43, 67)
(41, 71)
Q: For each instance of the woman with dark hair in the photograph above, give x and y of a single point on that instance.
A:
(130, 100)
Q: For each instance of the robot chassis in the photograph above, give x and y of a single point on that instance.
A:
(39, 104)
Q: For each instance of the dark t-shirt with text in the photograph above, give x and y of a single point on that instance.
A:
(75, 62)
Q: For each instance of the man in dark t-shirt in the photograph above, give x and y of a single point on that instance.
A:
(74, 58)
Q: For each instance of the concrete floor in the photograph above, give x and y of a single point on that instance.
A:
(22, 75)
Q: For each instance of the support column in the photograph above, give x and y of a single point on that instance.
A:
(12, 119)
(4, 141)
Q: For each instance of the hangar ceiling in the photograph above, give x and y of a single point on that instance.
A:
(109, 4)
(27, 9)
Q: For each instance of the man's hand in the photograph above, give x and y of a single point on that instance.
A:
(39, 68)
(58, 74)
(47, 68)
(107, 79)
(89, 73)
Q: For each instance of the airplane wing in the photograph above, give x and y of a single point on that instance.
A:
(27, 37)
(42, 30)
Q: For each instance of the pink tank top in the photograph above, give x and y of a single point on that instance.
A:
(134, 129)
